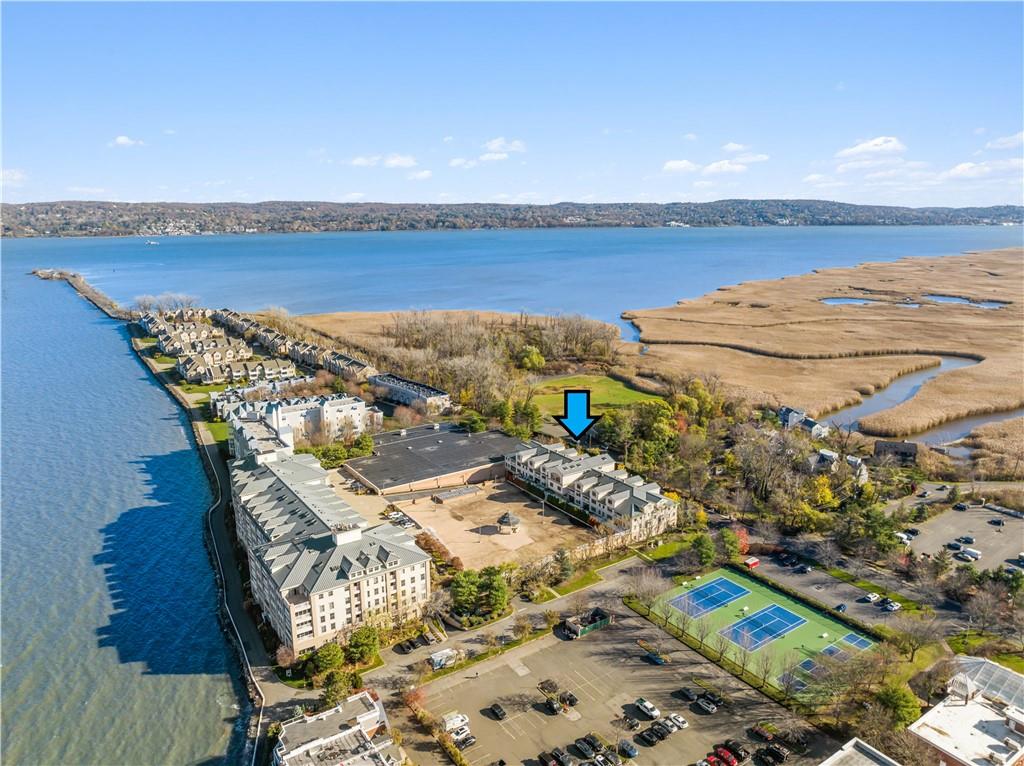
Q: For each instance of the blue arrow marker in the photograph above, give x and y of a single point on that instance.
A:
(577, 419)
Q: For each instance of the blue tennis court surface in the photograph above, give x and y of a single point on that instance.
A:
(807, 665)
(791, 681)
(854, 640)
(708, 597)
(756, 630)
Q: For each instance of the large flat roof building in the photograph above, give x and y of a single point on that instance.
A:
(355, 733)
(857, 752)
(432, 457)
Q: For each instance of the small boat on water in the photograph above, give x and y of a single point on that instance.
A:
(152, 242)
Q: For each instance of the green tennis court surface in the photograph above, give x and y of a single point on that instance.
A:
(756, 617)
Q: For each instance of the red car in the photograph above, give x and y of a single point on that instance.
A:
(725, 755)
(712, 761)
(763, 733)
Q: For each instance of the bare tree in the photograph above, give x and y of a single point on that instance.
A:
(764, 663)
(986, 606)
(827, 553)
(645, 583)
(522, 627)
(745, 647)
(914, 633)
(721, 645)
(703, 631)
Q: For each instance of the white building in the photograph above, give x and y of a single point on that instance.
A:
(333, 417)
(857, 752)
(980, 722)
(593, 484)
(827, 461)
(409, 392)
(316, 570)
(355, 733)
(793, 418)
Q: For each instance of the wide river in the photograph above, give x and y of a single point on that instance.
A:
(112, 653)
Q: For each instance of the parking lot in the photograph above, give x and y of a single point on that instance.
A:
(998, 545)
(607, 671)
(825, 588)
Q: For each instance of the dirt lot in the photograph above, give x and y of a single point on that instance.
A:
(468, 526)
(763, 336)
(607, 672)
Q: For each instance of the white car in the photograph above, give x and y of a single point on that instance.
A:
(669, 724)
(893, 606)
(707, 705)
(678, 720)
(872, 598)
(648, 709)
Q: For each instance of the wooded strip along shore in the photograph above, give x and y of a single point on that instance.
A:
(101, 219)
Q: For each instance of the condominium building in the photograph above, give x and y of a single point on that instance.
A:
(333, 417)
(316, 569)
(592, 484)
(409, 392)
(355, 733)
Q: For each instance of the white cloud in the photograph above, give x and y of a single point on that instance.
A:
(980, 131)
(14, 177)
(126, 141)
(748, 157)
(723, 166)
(501, 145)
(461, 162)
(879, 145)
(419, 175)
(981, 169)
(1006, 142)
(493, 156)
(732, 146)
(680, 166)
(399, 161)
(365, 161)
(689, 136)
(448, 139)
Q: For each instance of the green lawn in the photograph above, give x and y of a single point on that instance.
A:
(969, 641)
(669, 548)
(589, 576)
(219, 431)
(803, 642)
(606, 393)
(195, 388)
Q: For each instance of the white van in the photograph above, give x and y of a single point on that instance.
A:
(903, 538)
(972, 552)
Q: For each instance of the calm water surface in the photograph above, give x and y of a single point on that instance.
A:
(111, 649)
(112, 653)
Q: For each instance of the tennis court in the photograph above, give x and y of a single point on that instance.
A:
(858, 641)
(751, 617)
(758, 629)
(709, 597)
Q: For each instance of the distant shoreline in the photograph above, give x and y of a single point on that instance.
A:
(161, 219)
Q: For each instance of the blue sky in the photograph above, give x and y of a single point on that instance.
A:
(916, 104)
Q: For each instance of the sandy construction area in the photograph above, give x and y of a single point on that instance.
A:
(468, 526)
(776, 341)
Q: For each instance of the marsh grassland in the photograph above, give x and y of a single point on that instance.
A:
(776, 341)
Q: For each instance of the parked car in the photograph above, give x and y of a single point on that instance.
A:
(886, 601)
(563, 758)
(728, 758)
(960, 507)
(779, 750)
(584, 747)
(707, 705)
(714, 697)
(943, 487)
(762, 732)
(498, 712)
(961, 556)
(688, 694)
(737, 749)
(841, 608)
(601, 760)
(552, 705)
(966, 540)
(954, 546)
(569, 699)
(714, 760)
(460, 733)
(595, 744)
(468, 741)
(802, 569)
(659, 731)
(913, 531)
(668, 724)
(679, 721)
(872, 598)
(628, 749)
(893, 606)
(430, 637)
(631, 723)
(648, 738)
(997, 522)
(924, 493)
(546, 759)
(648, 709)
(767, 756)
